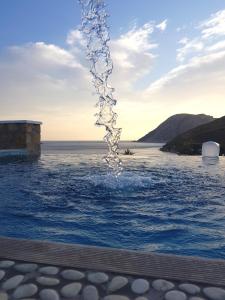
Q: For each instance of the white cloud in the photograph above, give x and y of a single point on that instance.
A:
(208, 38)
(53, 84)
(188, 47)
(195, 87)
(137, 39)
(43, 82)
(49, 55)
(212, 63)
(214, 26)
(163, 25)
(75, 37)
(217, 46)
(197, 83)
(133, 56)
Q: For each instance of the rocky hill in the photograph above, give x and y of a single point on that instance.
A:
(190, 142)
(174, 126)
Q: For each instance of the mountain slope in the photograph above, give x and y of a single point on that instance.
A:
(174, 126)
(191, 141)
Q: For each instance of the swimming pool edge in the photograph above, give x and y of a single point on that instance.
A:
(154, 265)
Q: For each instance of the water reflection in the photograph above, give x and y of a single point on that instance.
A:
(210, 160)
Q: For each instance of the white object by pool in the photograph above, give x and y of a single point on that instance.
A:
(210, 149)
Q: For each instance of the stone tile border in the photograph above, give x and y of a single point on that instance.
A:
(21, 280)
(171, 267)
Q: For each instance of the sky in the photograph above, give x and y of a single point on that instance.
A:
(169, 58)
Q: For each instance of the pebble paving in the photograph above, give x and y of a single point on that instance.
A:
(30, 281)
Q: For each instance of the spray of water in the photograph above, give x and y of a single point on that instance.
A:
(96, 31)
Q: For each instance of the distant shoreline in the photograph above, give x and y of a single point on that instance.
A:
(96, 141)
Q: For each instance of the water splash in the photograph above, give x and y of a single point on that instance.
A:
(127, 182)
(95, 29)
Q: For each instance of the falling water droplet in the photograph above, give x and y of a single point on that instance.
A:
(95, 29)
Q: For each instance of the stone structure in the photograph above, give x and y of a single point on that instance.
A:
(20, 138)
(32, 270)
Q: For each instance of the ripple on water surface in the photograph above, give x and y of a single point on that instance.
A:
(161, 202)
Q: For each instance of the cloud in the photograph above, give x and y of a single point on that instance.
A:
(214, 26)
(45, 55)
(216, 46)
(137, 38)
(198, 68)
(163, 25)
(75, 37)
(197, 83)
(188, 47)
(45, 82)
(209, 37)
(195, 87)
(53, 84)
(133, 56)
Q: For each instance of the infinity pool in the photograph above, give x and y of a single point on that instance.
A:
(162, 202)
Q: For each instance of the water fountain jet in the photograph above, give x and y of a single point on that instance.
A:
(95, 29)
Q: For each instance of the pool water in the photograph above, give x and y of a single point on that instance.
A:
(162, 202)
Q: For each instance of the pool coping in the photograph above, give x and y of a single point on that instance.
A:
(146, 264)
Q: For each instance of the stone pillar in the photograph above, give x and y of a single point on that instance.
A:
(20, 138)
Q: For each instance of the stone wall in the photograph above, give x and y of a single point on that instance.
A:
(22, 136)
(33, 137)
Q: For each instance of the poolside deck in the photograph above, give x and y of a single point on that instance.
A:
(52, 271)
